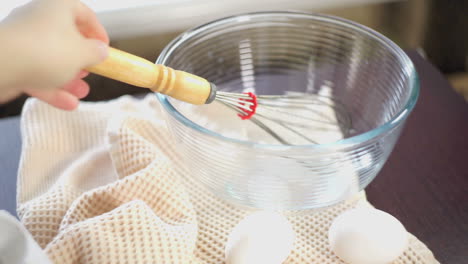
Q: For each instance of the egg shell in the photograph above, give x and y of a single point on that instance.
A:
(262, 237)
(367, 236)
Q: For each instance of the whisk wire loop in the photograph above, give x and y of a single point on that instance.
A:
(298, 114)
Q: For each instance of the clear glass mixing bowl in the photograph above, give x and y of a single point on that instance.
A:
(278, 52)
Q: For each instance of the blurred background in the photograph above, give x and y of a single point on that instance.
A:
(437, 29)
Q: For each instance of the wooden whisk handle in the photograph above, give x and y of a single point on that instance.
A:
(137, 71)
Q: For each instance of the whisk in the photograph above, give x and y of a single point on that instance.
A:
(296, 113)
(137, 71)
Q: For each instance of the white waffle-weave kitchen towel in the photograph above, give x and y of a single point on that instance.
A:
(103, 184)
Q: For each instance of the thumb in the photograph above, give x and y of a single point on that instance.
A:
(93, 51)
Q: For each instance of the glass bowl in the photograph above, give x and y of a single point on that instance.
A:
(290, 52)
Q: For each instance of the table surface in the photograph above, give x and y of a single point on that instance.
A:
(424, 183)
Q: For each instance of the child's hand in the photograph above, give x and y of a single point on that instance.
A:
(48, 43)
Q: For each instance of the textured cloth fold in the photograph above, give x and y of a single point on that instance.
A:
(104, 184)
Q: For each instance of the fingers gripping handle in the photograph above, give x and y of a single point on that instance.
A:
(137, 71)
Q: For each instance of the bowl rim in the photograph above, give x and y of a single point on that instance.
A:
(396, 119)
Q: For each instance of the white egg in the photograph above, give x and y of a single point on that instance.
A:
(262, 237)
(367, 236)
